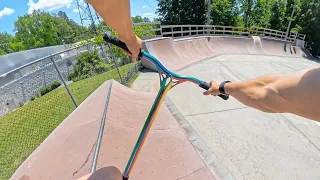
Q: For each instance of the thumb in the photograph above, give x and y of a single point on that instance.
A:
(206, 93)
(134, 57)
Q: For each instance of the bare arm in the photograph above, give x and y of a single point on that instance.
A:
(116, 13)
(297, 93)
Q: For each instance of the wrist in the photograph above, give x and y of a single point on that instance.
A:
(127, 37)
(127, 34)
(231, 88)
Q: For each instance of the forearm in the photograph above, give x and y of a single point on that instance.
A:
(260, 93)
(116, 13)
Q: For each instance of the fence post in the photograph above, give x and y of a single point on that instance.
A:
(63, 81)
(189, 30)
(44, 78)
(87, 48)
(23, 93)
(115, 61)
(172, 31)
(160, 30)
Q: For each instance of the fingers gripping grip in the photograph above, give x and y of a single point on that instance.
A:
(207, 86)
(116, 41)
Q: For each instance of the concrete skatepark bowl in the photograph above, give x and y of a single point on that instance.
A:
(193, 136)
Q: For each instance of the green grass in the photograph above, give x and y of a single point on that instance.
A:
(135, 76)
(22, 130)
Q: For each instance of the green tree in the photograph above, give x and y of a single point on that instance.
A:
(137, 19)
(261, 13)
(64, 30)
(5, 40)
(41, 29)
(2, 52)
(87, 65)
(289, 9)
(36, 30)
(181, 11)
(246, 8)
(145, 19)
(224, 12)
(16, 46)
(63, 15)
(308, 22)
(277, 15)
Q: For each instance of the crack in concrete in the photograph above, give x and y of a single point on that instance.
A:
(211, 112)
(301, 132)
(86, 161)
(192, 173)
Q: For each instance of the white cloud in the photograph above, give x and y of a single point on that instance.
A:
(149, 15)
(75, 10)
(6, 12)
(49, 5)
(143, 6)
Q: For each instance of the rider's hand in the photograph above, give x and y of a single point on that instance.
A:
(134, 44)
(214, 89)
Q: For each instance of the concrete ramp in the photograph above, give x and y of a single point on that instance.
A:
(178, 53)
(67, 152)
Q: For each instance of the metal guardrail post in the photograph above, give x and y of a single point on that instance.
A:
(172, 31)
(115, 61)
(44, 79)
(23, 93)
(64, 82)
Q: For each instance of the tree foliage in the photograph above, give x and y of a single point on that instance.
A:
(41, 29)
(261, 13)
(181, 11)
(224, 12)
(308, 22)
(145, 19)
(274, 14)
(277, 15)
(88, 64)
(137, 19)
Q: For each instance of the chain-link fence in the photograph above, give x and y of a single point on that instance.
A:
(35, 100)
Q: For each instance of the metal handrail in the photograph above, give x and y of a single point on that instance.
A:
(208, 29)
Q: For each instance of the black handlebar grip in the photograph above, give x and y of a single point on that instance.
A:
(116, 41)
(207, 86)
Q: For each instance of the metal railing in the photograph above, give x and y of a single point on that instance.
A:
(198, 30)
(271, 33)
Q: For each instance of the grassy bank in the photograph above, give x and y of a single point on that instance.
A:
(22, 130)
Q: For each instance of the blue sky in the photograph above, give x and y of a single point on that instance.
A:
(10, 10)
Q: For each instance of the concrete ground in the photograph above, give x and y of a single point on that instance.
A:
(250, 144)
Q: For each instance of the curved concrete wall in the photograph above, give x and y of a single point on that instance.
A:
(178, 53)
